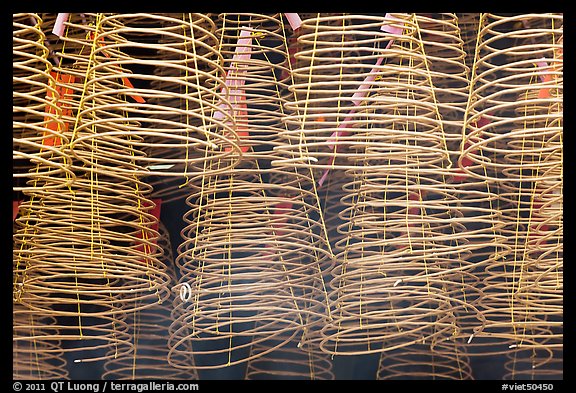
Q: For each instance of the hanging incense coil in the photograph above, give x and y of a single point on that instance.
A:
(534, 364)
(518, 143)
(36, 112)
(92, 247)
(443, 48)
(439, 360)
(399, 212)
(331, 195)
(199, 130)
(290, 361)
(491, 116)
(468, 22)
(149, 329)
(336, 54)
(84, 254)
(347, 192)
(247, 239)
(238, 275)
(34, 357)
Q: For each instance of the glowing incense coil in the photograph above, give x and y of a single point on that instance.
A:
(36, 111)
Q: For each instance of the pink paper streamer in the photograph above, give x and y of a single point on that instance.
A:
(337, 134)
(325, 174)
(541, 64)
(363, 89)
(390, 28)
(361, 92)
(294, 20)
(59, 24)
(356, 100)
(235, 76)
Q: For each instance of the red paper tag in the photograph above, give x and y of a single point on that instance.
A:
(15, 209)
(545, 92)
(64, 92)
(156, 213)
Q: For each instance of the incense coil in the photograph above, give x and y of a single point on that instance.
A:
(233, 271)
(444, 50)
(519, 144)
(119, 120)
(328, 103)
(84, 252)
(404, 212)
(371, 266)
(331, 195)
(263, 86)
(82, 335)
(149, 328)
(493, 102)
(44, 241)
(34, 357)
(392, 222)
(290, 361)
(444, 359)
(35, 109)
(469, 23)
(533, 364)
(240, 222)
(478, 205)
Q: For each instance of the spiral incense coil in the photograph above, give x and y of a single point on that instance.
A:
(288, 362)
(101, 227)
(491, 116)
(32, 356)
(538, 364)
(444, 51)
(331, 195)
(248, 257)
(518, 143)
(149, 328)
(262, 85)
(339, 61)
(248, 240)
(403, 235)
(468, 23)
(439, 360)
(478, 207)
(93, 253)
(393, 224)
(36, 111)
(118, 119)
